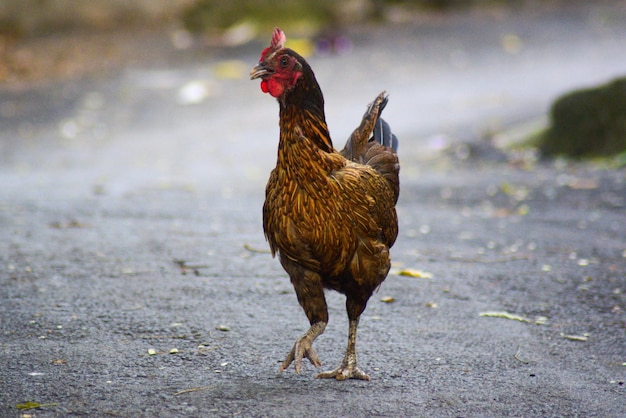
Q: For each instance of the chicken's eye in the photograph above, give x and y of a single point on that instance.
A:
(284, 61)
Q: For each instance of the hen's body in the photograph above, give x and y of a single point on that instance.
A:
(331, 219)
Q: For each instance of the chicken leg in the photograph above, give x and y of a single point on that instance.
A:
(303, 348)
(310, 293)
(348, 368)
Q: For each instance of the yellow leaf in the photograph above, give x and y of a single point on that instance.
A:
(415, 273)
(33, 405)
(27, 405)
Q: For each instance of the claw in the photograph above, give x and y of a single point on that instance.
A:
(303, 348)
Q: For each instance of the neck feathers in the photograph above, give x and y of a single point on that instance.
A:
(303, 106)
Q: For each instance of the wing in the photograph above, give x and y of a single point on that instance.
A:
(319, 217)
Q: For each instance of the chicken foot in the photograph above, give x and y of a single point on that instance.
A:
(348, 368)
(303, 348)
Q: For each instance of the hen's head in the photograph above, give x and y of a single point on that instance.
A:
(279, 68)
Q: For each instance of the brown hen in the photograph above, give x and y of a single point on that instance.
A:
(329, 215)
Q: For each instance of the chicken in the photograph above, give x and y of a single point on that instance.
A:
(330, 216)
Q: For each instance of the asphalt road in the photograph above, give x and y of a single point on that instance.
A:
(133, 277)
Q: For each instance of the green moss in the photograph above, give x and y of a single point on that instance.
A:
(588, 123)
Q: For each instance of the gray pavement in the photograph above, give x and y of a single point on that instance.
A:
(131, 284)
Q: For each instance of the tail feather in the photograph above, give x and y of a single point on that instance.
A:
(382, 135)
(357, 144)
(372, 143)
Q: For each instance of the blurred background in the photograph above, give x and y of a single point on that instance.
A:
(114, 94)
(46, 16)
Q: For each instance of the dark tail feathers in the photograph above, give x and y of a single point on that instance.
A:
(382, 135)
(372, 143)
(372, 130)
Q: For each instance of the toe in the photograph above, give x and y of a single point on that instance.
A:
(302, 349)
(344, 373)
(327, 375)
(288, 360)
(313, 358)
(358, 374)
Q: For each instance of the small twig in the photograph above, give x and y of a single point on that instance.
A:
(194, 389)
(185, 267)
(518, 358)
(256, 250)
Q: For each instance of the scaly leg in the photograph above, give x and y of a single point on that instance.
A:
(303, 348)
(310, 292)
(348, 368)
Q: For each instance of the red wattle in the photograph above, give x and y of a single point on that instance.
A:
(264, 87)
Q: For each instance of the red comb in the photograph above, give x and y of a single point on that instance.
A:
(278, 39)
(278, 42)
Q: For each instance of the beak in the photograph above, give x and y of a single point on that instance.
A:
(259, 71)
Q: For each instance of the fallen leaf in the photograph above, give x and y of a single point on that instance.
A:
(387, 299)
(174, 351)
(68, 225)
(415, 273)
(505, 315)
(224, 328)
(33, 405)
(582, 338)
(151, 352)
(256, 250)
